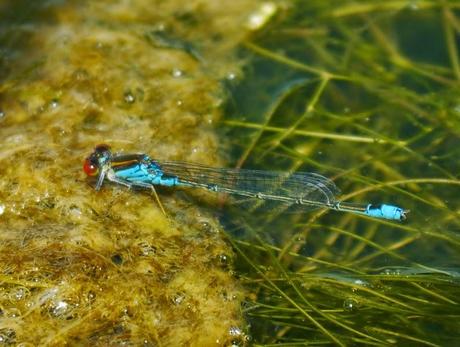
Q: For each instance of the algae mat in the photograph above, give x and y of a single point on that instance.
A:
(107, 268)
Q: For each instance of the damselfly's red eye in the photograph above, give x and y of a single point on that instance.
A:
(90, 168)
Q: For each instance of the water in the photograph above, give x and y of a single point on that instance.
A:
(366, 95)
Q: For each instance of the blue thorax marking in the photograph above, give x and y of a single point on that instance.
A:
(144, 170)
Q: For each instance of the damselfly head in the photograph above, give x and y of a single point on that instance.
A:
(100, 157)
(102, 149)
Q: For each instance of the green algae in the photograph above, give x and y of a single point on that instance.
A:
(367, 93)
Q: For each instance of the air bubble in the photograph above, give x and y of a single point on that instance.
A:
(223, 259)
(177, 73)
(235, 331)
(54, 103)
(350, 305)
(59, 309)
(360, 282)
(91, 296)
(19, 294)
(129, 97)
(178, 298)
(231, 76)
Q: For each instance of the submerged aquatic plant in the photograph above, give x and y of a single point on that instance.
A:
(367, 93)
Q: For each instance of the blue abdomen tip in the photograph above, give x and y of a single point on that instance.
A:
(386, 211)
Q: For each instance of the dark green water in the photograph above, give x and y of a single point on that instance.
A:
(366, 94)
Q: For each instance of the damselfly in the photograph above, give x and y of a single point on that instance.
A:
(304, 189)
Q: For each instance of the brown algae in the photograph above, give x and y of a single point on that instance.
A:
(107, 268)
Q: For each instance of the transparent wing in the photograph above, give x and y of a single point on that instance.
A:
(301, 188)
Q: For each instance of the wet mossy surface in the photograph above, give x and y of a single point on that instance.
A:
(108, 268)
